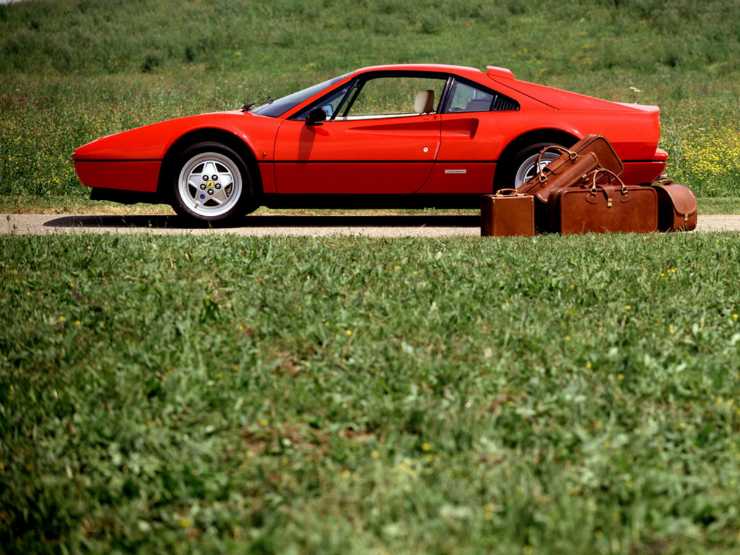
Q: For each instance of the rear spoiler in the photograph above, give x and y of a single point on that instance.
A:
(496, 72)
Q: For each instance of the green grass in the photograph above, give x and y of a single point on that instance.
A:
(218, 394)
(76, 69)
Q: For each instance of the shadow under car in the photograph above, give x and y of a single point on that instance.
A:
(176, 222)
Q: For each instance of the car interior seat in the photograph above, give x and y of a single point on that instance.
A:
(478, 105)
(424, 102)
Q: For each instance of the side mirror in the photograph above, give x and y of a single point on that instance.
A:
(315, 116)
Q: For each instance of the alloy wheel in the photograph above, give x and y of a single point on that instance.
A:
(210, 184)
(529, 168)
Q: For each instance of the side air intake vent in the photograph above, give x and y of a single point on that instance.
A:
(503, 103)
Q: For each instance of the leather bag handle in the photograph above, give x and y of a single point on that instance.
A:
(572, 155)
(508, 192)
(595, 175)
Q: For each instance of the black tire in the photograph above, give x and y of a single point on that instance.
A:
(247, 201)
(506, 173)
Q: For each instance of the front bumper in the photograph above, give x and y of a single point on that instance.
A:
(128, 175)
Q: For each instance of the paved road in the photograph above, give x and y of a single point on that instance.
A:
(315, 226)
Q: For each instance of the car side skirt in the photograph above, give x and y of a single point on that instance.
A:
(441, 177)
(371, 201)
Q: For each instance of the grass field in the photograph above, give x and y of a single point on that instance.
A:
(79, 69)
(348, 395)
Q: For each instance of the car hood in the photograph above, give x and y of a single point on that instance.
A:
(150, 142)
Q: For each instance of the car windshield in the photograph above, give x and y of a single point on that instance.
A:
(278, 107)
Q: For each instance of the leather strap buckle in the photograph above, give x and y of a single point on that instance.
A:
(572, 156)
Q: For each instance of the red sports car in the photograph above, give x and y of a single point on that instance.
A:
(393, 135)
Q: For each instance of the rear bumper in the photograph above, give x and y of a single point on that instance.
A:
(129, 175)
(642, 172)
(645, 171)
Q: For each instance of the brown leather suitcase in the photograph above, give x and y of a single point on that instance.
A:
(602, 206)
(556, 173)
(677, 210)
(506, 213)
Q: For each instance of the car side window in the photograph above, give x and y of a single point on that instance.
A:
(465, 97)
(396, 96)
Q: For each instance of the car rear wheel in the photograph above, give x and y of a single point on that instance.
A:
(523, 166)
(531, 167)
(212, 184)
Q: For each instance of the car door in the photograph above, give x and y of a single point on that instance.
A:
(380, 138)
(472, 129)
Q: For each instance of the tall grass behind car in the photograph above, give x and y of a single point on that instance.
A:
(75, 69)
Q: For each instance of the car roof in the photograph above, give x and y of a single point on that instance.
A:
(444, 68)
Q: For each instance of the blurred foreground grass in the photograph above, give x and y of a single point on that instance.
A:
(220, 394)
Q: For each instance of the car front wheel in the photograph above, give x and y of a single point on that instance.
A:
(212, 184)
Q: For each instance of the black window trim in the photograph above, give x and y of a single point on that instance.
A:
(352, 93)
(351, 88)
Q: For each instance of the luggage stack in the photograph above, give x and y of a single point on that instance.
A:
(582, 192)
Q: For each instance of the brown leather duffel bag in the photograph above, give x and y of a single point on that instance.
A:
(506, 213)
(599, 206)
(560, 171)
(568, 169)
(677, 210)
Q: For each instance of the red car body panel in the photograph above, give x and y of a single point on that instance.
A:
(434, 154)
(374, 156)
